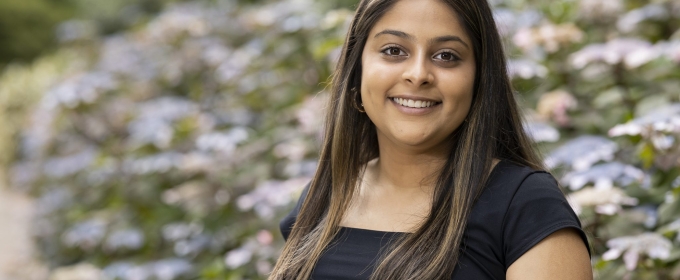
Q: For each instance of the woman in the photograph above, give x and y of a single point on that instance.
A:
(425, 170)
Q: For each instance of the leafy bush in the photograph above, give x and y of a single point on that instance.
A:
(30, 28)
(26, 28)
(181, 141)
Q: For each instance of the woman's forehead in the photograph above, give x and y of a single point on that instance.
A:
(420, 19)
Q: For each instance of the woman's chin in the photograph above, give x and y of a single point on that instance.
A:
(416, 142)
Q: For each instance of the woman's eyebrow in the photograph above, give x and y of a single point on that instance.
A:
(448, 38)
(440, 39)
(396, 33)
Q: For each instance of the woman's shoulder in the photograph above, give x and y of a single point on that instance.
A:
(512, 187)
(508, 170)
(509, 179)
(519, 207)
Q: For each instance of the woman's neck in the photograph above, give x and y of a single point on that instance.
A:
(395, 192)
(402, 170)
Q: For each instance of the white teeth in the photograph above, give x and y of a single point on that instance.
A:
(414, 103)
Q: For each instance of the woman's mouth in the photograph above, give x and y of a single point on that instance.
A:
(410, 103)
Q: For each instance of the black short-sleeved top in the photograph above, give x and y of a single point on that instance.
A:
(518, 208)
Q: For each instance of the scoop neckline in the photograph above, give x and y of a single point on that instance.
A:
(373, 231)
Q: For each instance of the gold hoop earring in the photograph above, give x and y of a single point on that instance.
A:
(356, 102)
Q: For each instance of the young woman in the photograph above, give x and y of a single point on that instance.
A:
(425, 170)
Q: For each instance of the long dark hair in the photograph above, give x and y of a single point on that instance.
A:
(493, 129)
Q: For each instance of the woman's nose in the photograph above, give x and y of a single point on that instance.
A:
(418, 71)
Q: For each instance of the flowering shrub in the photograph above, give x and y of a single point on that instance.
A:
(172, 150)
(605, 77)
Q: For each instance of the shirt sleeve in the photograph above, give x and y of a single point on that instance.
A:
(286, 225)
(538, 208)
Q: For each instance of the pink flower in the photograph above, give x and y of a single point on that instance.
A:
(554, 106)
(652, 244)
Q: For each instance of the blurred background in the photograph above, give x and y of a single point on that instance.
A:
(164, 139)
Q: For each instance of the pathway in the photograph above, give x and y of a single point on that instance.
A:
(17, 259)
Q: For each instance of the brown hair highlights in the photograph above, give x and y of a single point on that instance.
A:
(493, 130)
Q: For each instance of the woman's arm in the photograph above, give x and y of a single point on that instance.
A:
(561, 255)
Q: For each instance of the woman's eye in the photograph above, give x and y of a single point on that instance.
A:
(446, 56)
(393, 51)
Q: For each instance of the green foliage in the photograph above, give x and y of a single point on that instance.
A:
(27, 27)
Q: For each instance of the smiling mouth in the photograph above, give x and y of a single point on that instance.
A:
(414, 103)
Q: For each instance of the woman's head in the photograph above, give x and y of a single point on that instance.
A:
(454, 55)
(417, 75)
(478, 79)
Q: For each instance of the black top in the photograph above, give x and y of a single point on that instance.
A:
(518, 208)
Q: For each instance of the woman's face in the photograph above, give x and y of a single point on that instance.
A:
(418, 73)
